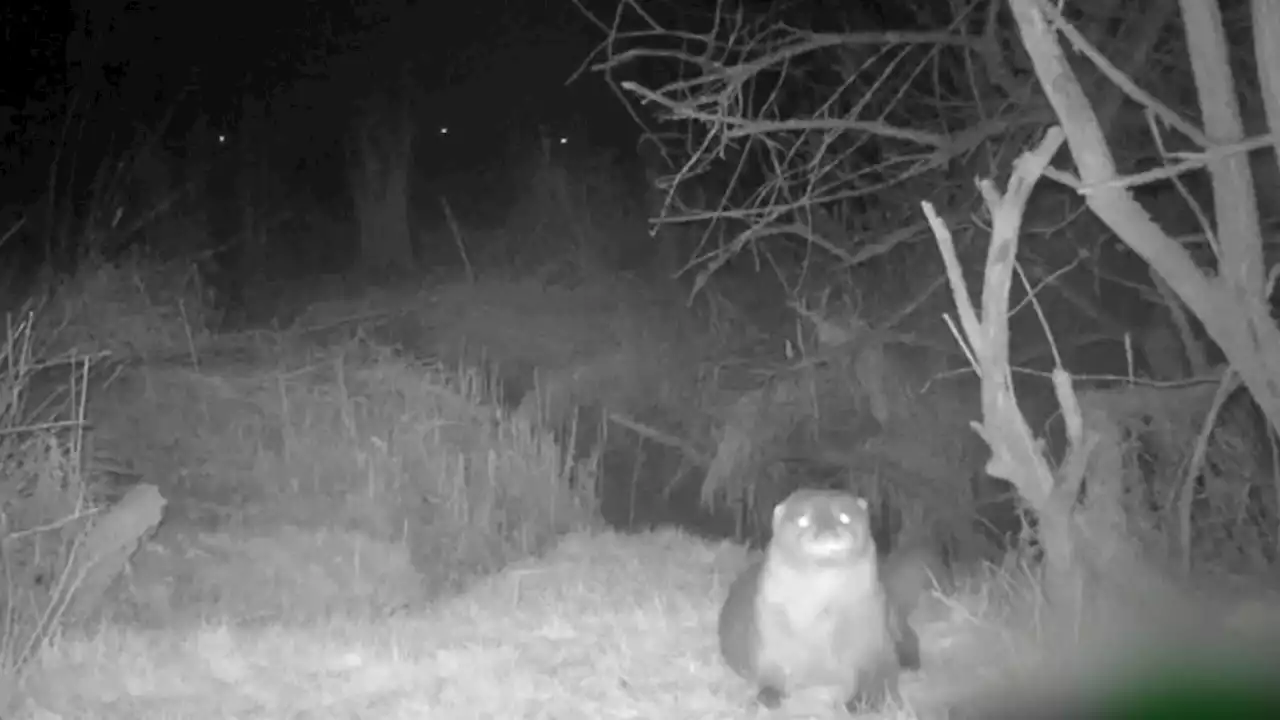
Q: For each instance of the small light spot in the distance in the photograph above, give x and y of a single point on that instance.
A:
(442, 130)
(223, 138)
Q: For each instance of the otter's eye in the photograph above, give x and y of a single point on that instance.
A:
(803, 521)
(845, 519)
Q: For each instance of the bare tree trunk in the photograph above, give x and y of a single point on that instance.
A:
(380, 187)
(1232, 305)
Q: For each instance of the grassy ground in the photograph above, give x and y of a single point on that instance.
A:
(603, 626)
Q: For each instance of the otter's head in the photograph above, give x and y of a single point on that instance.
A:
(824, 525)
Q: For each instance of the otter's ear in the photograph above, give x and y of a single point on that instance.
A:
(862, 503)
(778, 511)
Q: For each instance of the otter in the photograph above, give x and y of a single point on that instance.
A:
(815, 610)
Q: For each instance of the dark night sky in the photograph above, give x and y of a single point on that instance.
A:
(482, 65)
(228, 40)
(138, 60)
(133, 61)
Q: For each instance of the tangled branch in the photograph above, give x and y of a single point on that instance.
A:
(812, 135)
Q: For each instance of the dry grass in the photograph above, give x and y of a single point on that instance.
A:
(129, 308)
(604, 626)
(303, 482)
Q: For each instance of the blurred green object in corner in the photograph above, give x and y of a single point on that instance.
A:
(1167, 693)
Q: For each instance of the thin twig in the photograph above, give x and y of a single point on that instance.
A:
(457, 238)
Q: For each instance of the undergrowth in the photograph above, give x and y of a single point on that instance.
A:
(45, 503)
(296, 480)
